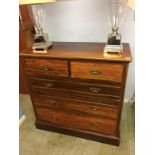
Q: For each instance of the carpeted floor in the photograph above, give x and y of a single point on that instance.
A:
(39, 142)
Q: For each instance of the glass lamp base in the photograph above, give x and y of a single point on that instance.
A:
(41, 37)
(114, 38)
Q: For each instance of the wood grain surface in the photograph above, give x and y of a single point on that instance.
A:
(80, 50)
(97, 70)
(103, 126)
(76, 90)
(73, 106)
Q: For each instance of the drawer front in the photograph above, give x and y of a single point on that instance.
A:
(102, 126)
(109, 99)
(82, 87)
(46, 68)
(75, 106)
(112, 100)
(99, 71)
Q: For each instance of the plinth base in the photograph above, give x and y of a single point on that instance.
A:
(78, 133)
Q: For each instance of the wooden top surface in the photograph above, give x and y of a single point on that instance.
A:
(80, 50)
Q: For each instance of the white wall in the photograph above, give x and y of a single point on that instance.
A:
(85, 21)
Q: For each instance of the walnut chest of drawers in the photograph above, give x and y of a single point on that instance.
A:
(75, 90)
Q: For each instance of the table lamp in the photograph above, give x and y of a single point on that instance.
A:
(116, 10)
(41, 43)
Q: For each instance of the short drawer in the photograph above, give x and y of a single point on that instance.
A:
(75, 106)
(75, 86)
(102, 126)
(46, 67)
(97, 70)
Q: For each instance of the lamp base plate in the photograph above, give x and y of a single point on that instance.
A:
(113, 50)
(41, 47)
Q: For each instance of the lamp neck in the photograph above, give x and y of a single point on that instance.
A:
(115, 30)
(40, 31)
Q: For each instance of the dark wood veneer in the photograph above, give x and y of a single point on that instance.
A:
(77, 91)
(76, 86)
(80, 51)
(102, 126)
(97, 70)
(72, 106)
(113, 140)
(74, 94)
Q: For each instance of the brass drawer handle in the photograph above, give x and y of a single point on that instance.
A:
(94, 89)
(94, 125)
(46, 68)
(48, 84)
(93, 108)
(51, 102)
(95, 72)
(53, 118)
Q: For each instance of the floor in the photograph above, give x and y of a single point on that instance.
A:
(39, 142)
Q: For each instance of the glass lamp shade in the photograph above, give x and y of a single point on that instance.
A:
(39, 15)
(116, 11)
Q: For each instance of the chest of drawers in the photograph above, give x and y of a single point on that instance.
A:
(75, 90)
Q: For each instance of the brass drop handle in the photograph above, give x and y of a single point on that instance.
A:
(95, 89)
(93, 108)
(51, 102)
(94, 125)
(48, 84)
(53, 118)
(95, 72)
(46, 68)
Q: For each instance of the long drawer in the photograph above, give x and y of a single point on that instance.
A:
(97, 70)
(46, 68)
(74, 86)
(102, 126)
(109, 99)
(76, 106)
